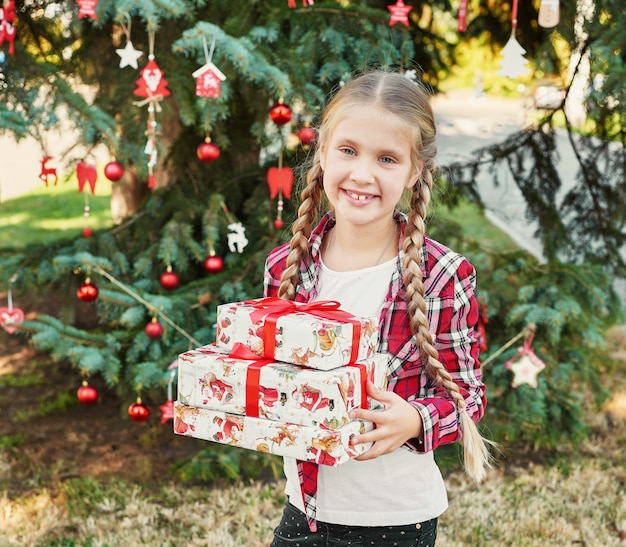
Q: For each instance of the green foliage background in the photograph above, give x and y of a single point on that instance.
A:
(268, 52)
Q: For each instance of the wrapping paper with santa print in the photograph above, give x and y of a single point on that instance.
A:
(307, 443)
(210, 378)
(301, 337)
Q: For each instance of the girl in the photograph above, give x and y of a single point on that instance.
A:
(376, 141)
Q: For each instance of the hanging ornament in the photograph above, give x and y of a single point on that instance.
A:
(168, 279)
(280, 182)
(236, 238)
(128, 55)
(47, 172)
(7, 25)
(86, 173)
(208, 77)
(513, 60)
(153, 87)
(481, 332)
(11, 318)
(87, 292)
(292, 3)
(399, 13)
(549, 13)
(525, 365)
(114, 171)
(151, 83)
(86, 394)
(207, 151)
(167, 409)
(461, 24)
(138, 412)
(213, 263)
(87, 8)
(87, 231)
(280, 113)
(307, 135)
(154, 329)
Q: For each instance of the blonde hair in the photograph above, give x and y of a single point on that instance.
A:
(409, 101)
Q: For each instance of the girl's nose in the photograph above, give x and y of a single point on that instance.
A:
(362, 171)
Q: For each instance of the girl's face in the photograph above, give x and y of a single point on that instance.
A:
(367, 165)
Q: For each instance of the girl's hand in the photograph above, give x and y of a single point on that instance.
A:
(394, 425)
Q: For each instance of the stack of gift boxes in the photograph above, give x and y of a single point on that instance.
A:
(282, 378)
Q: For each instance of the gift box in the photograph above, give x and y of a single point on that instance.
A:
(240, 383)
(317, 334)
(308, 443)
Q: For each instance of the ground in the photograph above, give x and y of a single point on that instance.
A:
(47, 436)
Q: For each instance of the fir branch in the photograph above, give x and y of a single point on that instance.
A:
(147, 304)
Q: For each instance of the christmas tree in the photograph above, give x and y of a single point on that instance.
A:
(196, 103)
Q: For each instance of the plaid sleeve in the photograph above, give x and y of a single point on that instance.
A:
(274, 266)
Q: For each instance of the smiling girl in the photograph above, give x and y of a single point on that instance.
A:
(376, 142)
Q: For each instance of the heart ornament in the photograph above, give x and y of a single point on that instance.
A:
(280, 180)
(11, 319)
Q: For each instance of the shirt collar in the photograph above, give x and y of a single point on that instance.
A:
(328, 221)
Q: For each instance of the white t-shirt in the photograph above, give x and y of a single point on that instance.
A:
(403, 487)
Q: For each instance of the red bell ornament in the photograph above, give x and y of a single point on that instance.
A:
(280, 113)
(87, 292)
(208, 152)
(154, 329)
(114, 171)
(169, 279)
(138, 412)
(87, 231)
(86, 394)
(279, 223)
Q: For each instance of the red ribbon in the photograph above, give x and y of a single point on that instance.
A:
(362, 382)
(253, 376)
(272, 308)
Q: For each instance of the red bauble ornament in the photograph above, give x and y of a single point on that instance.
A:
(138, 412)
(279, 223)
(280, 113)
(208, 152)
(154, 329)
(113, 171)
(169, 280)
(87, 292)
(87, 394)
(213, 264)
(87, 231)
(307, 135)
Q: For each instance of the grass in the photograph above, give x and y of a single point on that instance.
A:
(52, 213)
(533, 505)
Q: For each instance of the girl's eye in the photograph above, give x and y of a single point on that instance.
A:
(346, 150)
(387, 159)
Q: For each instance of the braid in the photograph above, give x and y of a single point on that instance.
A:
(311, 198)
(413, 242)
(476, 448)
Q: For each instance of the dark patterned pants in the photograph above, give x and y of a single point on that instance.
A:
(293, 530)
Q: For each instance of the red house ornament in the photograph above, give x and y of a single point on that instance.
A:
(209, 79)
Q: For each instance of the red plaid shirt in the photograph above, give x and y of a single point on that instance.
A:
(452, 312)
